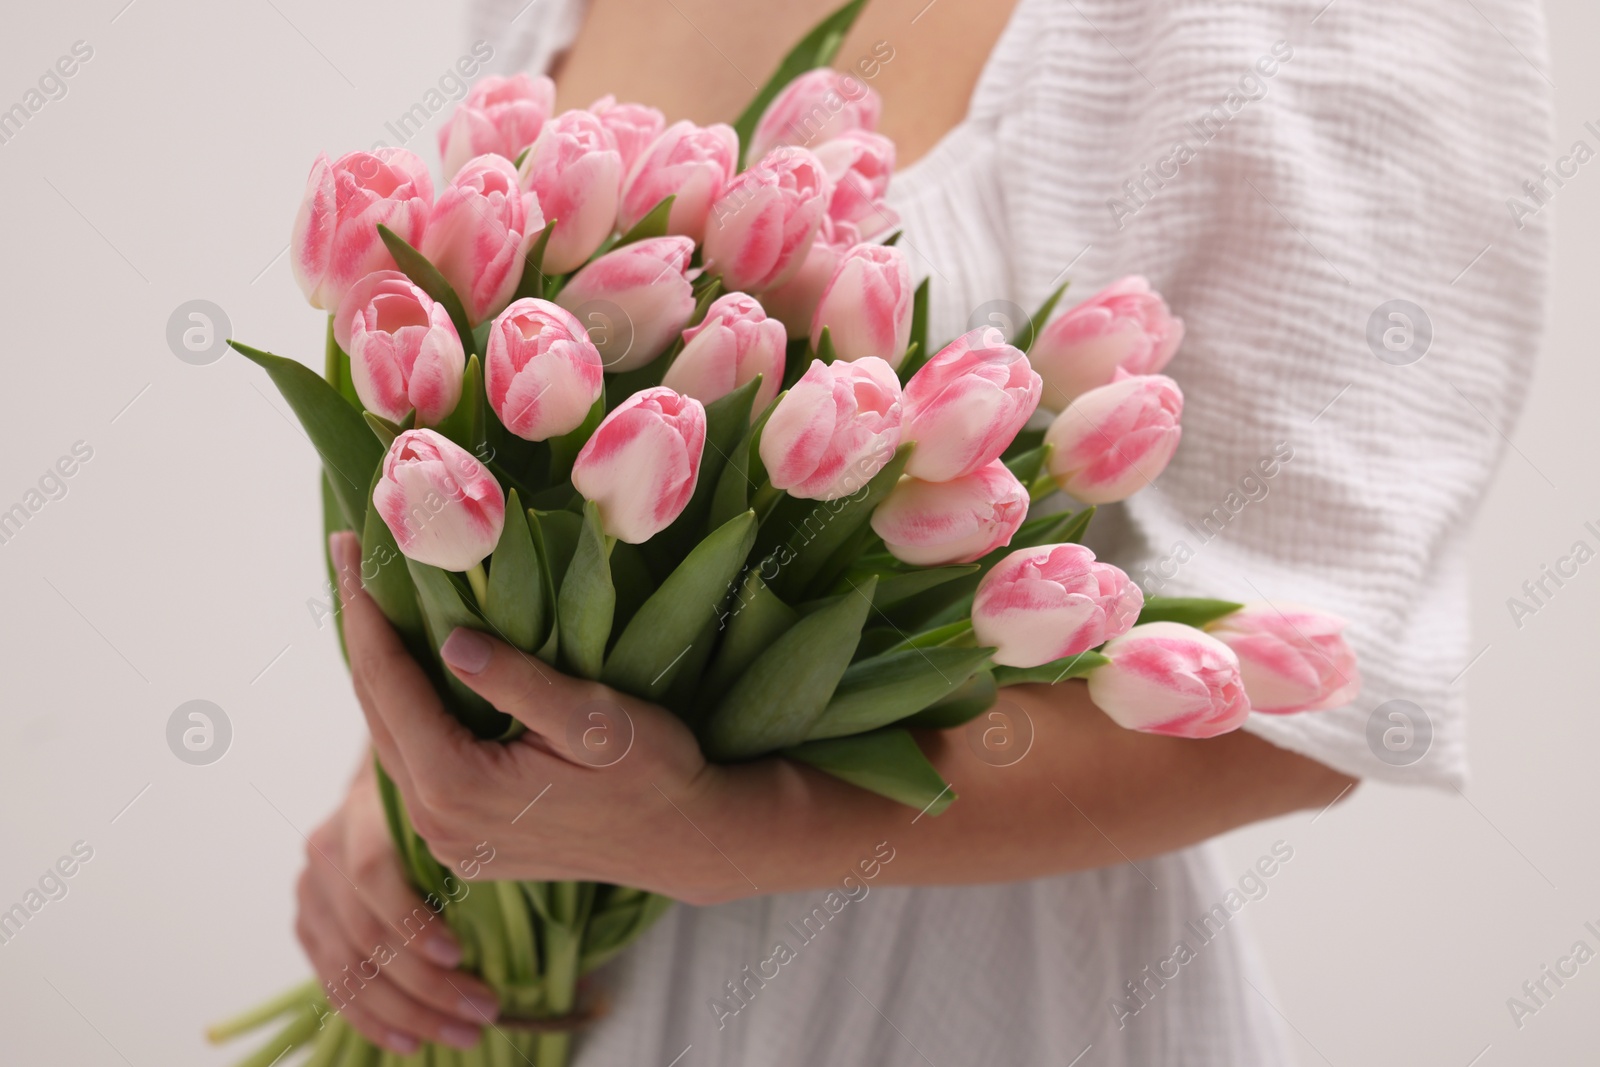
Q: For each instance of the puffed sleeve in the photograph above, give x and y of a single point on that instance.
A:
(1337, 208)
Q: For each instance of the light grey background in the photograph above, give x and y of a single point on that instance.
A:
(183, 563)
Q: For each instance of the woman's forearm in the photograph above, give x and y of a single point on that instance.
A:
(1087, 793)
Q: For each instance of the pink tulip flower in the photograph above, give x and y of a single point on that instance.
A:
(866, 305)
(404, 352)
(541, 372)
(794, 303)
(479, 233)
(763, 223)
(335, 240)
(575, 169)
(1291, 658)
(966, 404)
(836, 428)
(731, 345)
(1125, 325)
(859, 164)
(690, 163)
(814, 108)
(929, 524)
(1113, 441)
(642, 463)
(634, 127)
(1040, 604)
(1167, 678)
(633, 300)
(500, 116)
(443, 506)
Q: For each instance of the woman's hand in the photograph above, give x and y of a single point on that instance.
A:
(607, 788)
(386, 957)
(601, 787)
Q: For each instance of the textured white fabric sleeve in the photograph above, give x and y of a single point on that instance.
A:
(1372, 164)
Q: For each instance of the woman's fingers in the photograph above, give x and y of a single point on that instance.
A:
(382, 908)
(335, 962)
(542, 699)
(409, 724)
(358, 971)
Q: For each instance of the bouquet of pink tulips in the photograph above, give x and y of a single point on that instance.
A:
(656, 405)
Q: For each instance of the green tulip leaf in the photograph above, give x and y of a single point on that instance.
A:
(336, 368)
(969, 700)
(886, 762)
(825, 349)
(1029, 332)
(465, 425)
(751, 622)
(558, 533)
(333, 521)
(634, 582)
(1059, 670)
(384, 430)
(336, 430)
(443, 611)
(516, 606)
(1025, 441)
(426, 276)
(779, 697)
(896, 587)
(588, 599)
(742, 471)
(654, 224)
(1189, 610)
(666, 627)
(918, 352)
(884, 689)
(807, 533)
(1027, 465)
(816, 49)
(387, 580)
(534, 282)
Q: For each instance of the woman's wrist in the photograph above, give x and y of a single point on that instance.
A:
(779, 827)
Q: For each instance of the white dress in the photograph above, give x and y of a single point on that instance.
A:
(1383, 158)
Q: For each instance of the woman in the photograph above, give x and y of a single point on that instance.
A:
(1281, 173)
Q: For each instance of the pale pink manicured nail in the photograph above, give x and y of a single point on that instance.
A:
(479, 1009)
(345, 550)
(404, 1044)
(460, 1036)
(443, 951)
(467, 651)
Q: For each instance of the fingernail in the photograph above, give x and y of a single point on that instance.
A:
(345, 550)
(479, 1008)
(404, 1044)
(466, 650)
(444, 952)
(459, 1036)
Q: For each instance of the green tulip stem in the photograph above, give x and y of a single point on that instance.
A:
(962, 638)
(305, 993)
(765, 499)
(563, 946)
(479, 582)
